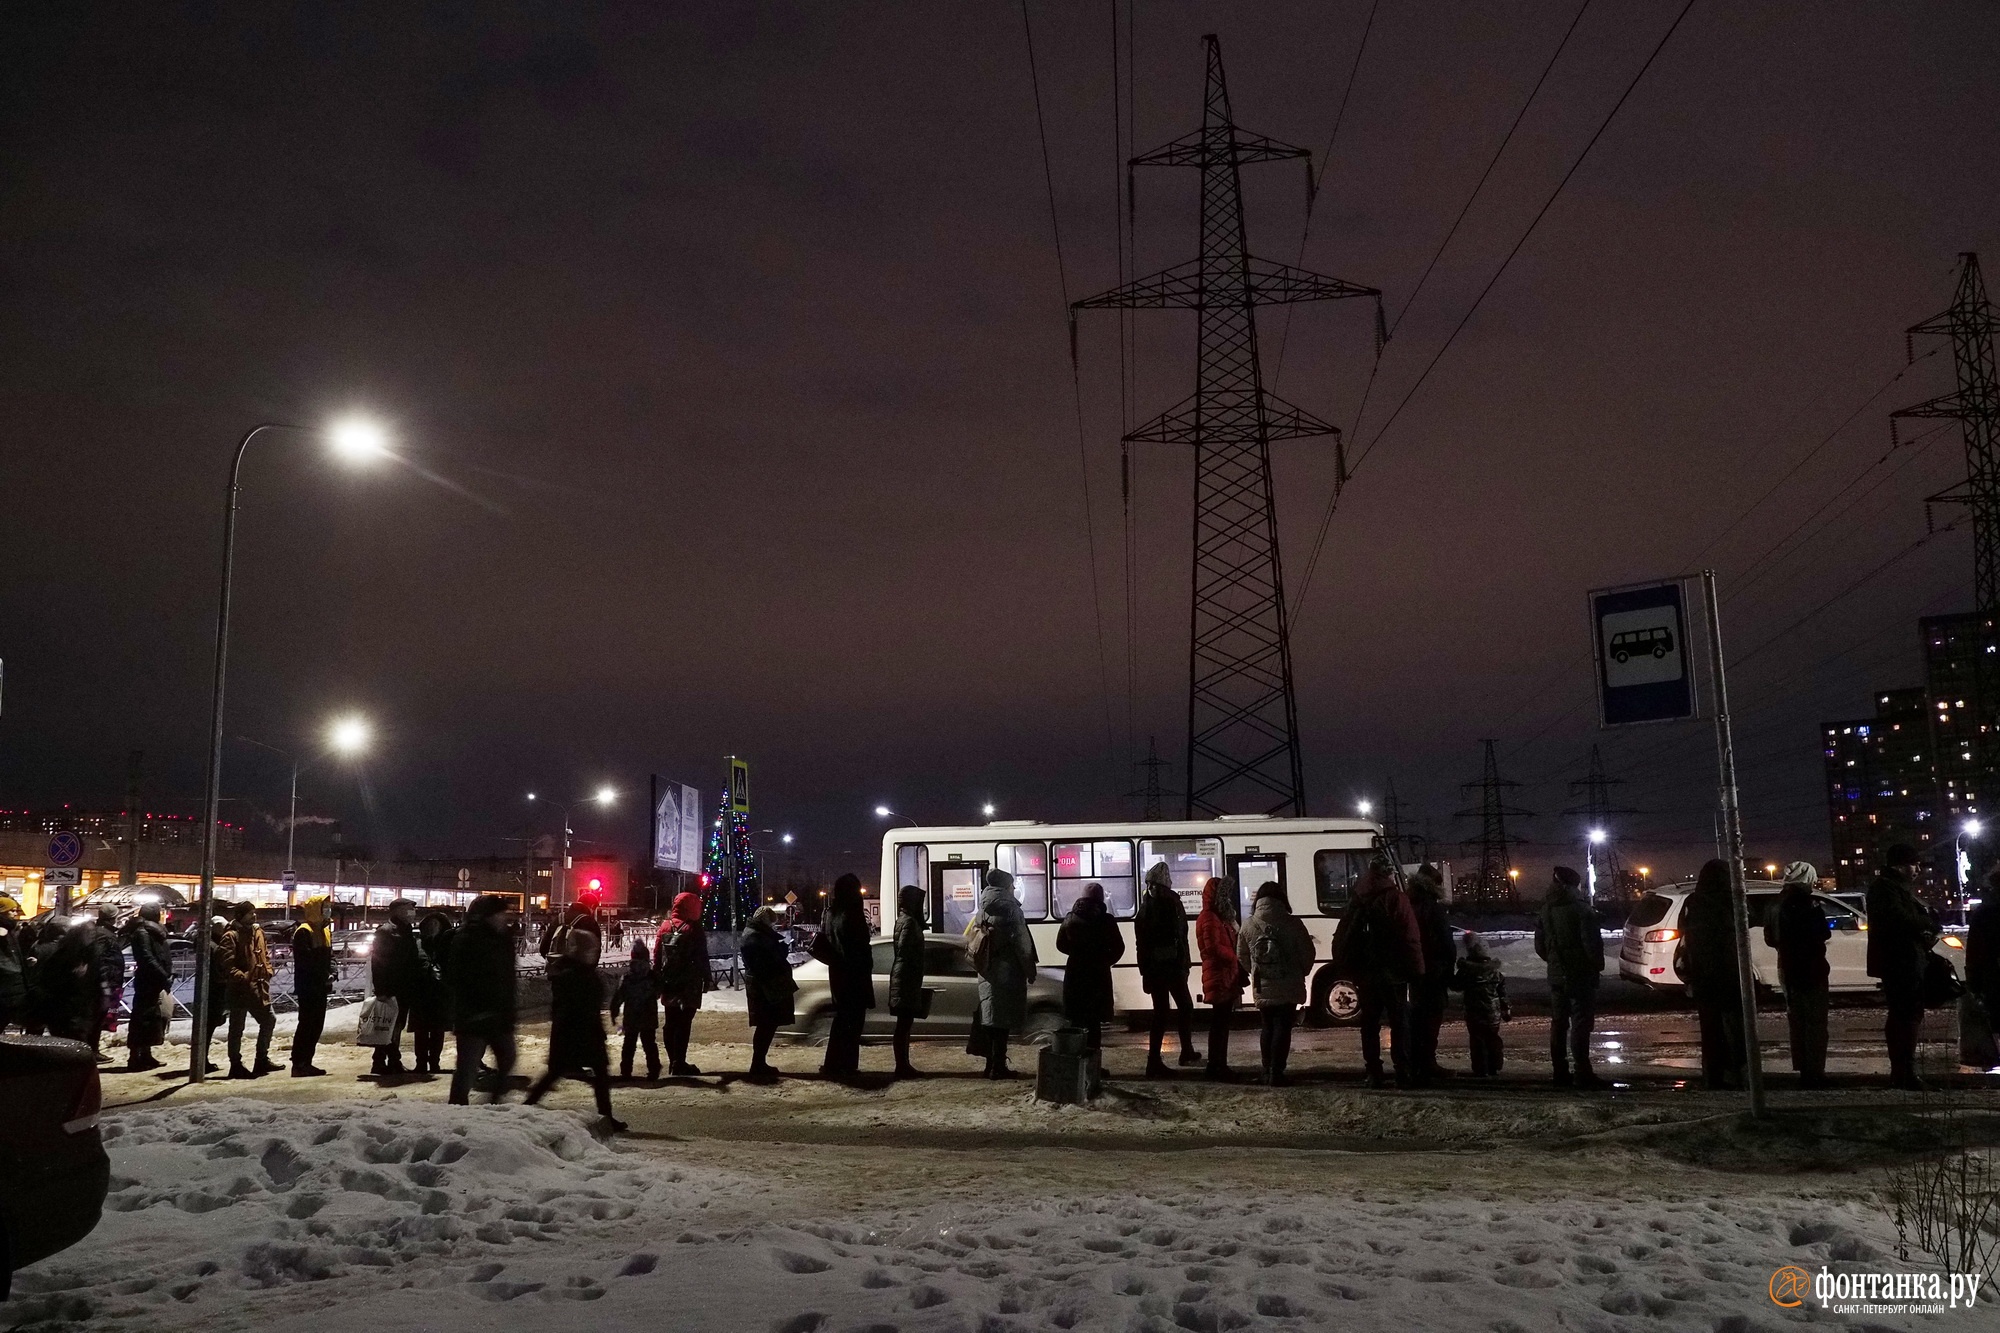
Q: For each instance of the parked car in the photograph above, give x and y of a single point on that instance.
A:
(947, 971)
(53, 1171)
(1651, 949)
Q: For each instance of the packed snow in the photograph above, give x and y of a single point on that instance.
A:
(400, 1214)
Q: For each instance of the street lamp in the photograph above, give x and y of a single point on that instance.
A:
(345, 736)
(1365, 807)
(987, 809)
(884, 812)
(1971, 828)
(605, 797)
(354, 440)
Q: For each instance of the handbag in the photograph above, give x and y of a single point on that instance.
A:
(166, 1006)
(377, 1024)
(1941, 984)
(921, 1006)
(1977, 1046)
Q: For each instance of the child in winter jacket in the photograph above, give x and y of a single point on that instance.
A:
(638, 997)
(1485, 990)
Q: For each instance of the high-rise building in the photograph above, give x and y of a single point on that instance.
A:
(1926, 767)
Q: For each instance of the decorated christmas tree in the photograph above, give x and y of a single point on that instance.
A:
(736, 828)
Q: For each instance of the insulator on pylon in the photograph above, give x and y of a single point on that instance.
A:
(1125, 474)
(1909, 350)
(1339, 464)
(1381, 329)
(1312, 187)
(1895, 423)
(1072, 340)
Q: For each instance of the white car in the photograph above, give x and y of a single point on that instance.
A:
(1651, 949)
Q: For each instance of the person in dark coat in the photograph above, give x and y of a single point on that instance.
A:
(681, 975)
(1223, 974)
(1279, 950)
(71, 995)
(1982, 951)
(1709, 967)
(429, 1006)
(312, 984)
(247, 964)
(218, 988)
(395, 966)
(767, 988)
(1901, 931)
(1009, 964)
(1160, 946)
(1092, 942)
(13, 967)
(1569, 939)
(637, 996)
(843, 946)
(1798, 929)
(481, 975)
(1429, 993)
(1479, 979)
(576, 1024)
(109, 946)
(908, 1001)
(152, 977)
(1379, 948)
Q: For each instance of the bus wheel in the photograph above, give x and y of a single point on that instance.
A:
(1333, 1001)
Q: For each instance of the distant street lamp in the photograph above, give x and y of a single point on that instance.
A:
(884, 812)
(605, 798)
(354, 440)
(988, 810)
(1365, 807)
(346, 736)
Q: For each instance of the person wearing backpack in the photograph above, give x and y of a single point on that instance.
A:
(1222, 973)
(1484, 987)
(1379, 949)
(1279, 949)
(1160, 940)
(1003, 954)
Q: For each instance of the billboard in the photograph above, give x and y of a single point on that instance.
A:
(1644, 669)
(677, 842)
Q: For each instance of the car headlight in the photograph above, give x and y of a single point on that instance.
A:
(1953, 942)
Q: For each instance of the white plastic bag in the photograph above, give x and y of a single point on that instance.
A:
(377, 1023)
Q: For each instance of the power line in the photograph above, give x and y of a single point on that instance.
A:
(1076, 387)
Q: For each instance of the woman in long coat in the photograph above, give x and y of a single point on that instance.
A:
(1222, 973)
(1092, 942)
(843, 947)
(908, 1000)
(767, 988)
(1009, 962)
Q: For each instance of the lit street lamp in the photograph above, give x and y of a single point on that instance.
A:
(884, 812)
(1365, 807)
(605, 798)
(346, 737)
(354, 440)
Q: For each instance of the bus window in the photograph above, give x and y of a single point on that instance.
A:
(1334, 877)
(1028, 863)
(1191, 861)
(1109, 863)
(913, 866)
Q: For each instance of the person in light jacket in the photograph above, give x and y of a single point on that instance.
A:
(1279, 950)
(1009, 963)
(1222, 972)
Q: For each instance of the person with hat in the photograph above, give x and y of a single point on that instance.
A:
(312, 983)
(1380, 949)
(1901, 931)
(1568, 938)
(395, 962)
(152, 981)
(13, 967)
(1429, 992)
(1798, 929)
(247, 964)
(481, 977)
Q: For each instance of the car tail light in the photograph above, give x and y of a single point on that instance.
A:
(1662, 936)
(1953, 942)
(89, 1101)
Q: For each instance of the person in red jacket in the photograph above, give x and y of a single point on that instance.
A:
(1379, 948)
(681, 978)
(1215, 935)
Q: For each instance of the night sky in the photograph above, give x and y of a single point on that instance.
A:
(726, 347)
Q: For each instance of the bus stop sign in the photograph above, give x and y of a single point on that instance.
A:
(1639, 640)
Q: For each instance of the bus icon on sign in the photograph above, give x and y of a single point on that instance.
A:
(1656, 641)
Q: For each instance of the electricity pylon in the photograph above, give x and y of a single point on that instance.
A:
(1243, 725)
(1496, 883)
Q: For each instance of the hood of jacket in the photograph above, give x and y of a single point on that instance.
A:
(910, 901)
(1219, 896)
(1088, 909)
(687, 907)
(1560, 894)
(997, 900)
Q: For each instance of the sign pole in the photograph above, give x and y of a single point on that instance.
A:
(1732, 829)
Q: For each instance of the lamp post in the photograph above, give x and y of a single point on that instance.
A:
(884, 812)
(346, 736)
(1595, 839)
(605, 797)
(1961, 863)
(356, 440)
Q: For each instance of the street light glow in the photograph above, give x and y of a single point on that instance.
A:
(1364, 808)
(787, 840)
(348, 735)
(1972, 828)
(606, 795)
(883, 812)
(987, 809)
(1597, 835)
(358, 439)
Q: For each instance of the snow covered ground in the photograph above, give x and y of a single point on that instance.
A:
(403, 1214)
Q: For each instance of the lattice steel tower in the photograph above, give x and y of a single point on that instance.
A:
(1243, 724)
(1970, 324)
(1496, 885)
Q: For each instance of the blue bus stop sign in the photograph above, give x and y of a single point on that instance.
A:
(1643, 655)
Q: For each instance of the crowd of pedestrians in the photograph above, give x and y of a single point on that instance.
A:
(1394, 945)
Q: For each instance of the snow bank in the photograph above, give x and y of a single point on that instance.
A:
(392, 1216)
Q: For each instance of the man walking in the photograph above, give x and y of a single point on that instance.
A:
(1901, 932)
(481, 979)
(247, 963)
(1568, 938)
(1799, 930)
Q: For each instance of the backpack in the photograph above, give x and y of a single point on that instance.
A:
(1360, 942)
(979, 945)
(1265, 951)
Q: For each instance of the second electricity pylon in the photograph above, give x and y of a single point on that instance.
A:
(1595, 788)
(1495, 885)
(1243, 722)
(1970, 324)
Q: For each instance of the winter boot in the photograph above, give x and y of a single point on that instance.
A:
(1587, 1079)
(240, 1071)
(1157, 1068)
(1562, 1078)
(1190, 1056)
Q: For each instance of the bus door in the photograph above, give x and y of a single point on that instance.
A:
(1251, 869)
(955, 887)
